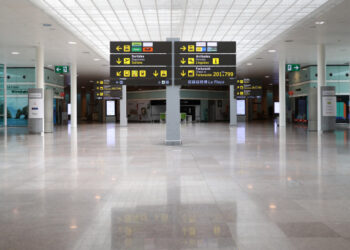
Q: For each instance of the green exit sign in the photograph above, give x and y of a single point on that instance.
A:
(293, 67)
(61, 69)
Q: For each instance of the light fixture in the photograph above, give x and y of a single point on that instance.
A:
(272, 206)
(319, 22)
(91, 81)
(271, 50)
(249, 64)
(97, 59)
(15, 53)
(72, 43)
(267, 76)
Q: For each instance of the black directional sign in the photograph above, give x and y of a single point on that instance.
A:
(205, 63)
(204, 75)
(141, 75)
(140, 59)
(205, 59)
(205, 47)
(107, 90)
(247, 88)
(140, 63)
(140, 47)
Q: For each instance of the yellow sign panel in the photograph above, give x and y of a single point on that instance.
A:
(126, 60)
(134, 73)
(216, 60)
(142, 73)
(163, 73)
(199, 49)
(126, 48)
(190, 73)
(101, 82)
(126, 73)
(190, 48)
(190, 60)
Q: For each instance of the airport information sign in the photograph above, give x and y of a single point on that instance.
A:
(107, 90)
(140, 63)
(247, 88)
(205, 63)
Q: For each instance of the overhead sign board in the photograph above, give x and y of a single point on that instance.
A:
(140, 63)
(205, 47)
(62, 69)
(140, 47)
(140, 59)
(205, 63)
(247, 88)
(293, 67)
(106, 90)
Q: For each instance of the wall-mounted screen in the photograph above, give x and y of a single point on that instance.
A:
(277, 107)
(110, 107)
(240, 107)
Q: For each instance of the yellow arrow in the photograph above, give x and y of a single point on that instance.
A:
(183, 61)
(183, 73)
(119, 48)
(183, 48)
(119, 73)
(119, 61)
(155, 73)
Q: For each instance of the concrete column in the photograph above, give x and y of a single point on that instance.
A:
(282, 90)
(233, 107)
(321, 81)
(122, 106)
(48, 111)
(40, 74)
(173, 117)
(73, 95)
(5, 95)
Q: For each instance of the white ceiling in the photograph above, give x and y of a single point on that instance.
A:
(251, 23)
(256, 25)
(21, 30)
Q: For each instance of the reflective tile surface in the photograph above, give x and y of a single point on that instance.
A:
(254, 186)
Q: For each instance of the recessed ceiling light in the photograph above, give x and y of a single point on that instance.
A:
(72, 43)
(267, 76)
(91, 81)
(319, 22)
(249, 64)
(97, 59)
(15, 53)
(271, 50)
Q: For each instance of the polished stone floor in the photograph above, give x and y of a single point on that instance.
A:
(104, 187)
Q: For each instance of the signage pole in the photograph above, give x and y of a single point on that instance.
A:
(122, 107)
(173, 118)
(5, 95)
(233, 107)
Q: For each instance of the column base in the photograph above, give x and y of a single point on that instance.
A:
(173, 143)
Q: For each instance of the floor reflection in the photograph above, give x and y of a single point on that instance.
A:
(171, 227)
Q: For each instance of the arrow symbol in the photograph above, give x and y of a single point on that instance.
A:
(119, 73)
(183, 73)
(155, 73)
(183, 61)
(119, 61)
(183, 48)
(119, 48)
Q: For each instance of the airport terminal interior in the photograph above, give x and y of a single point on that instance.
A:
(174, 124)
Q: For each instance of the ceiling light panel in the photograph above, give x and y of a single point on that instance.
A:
(252, 23)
